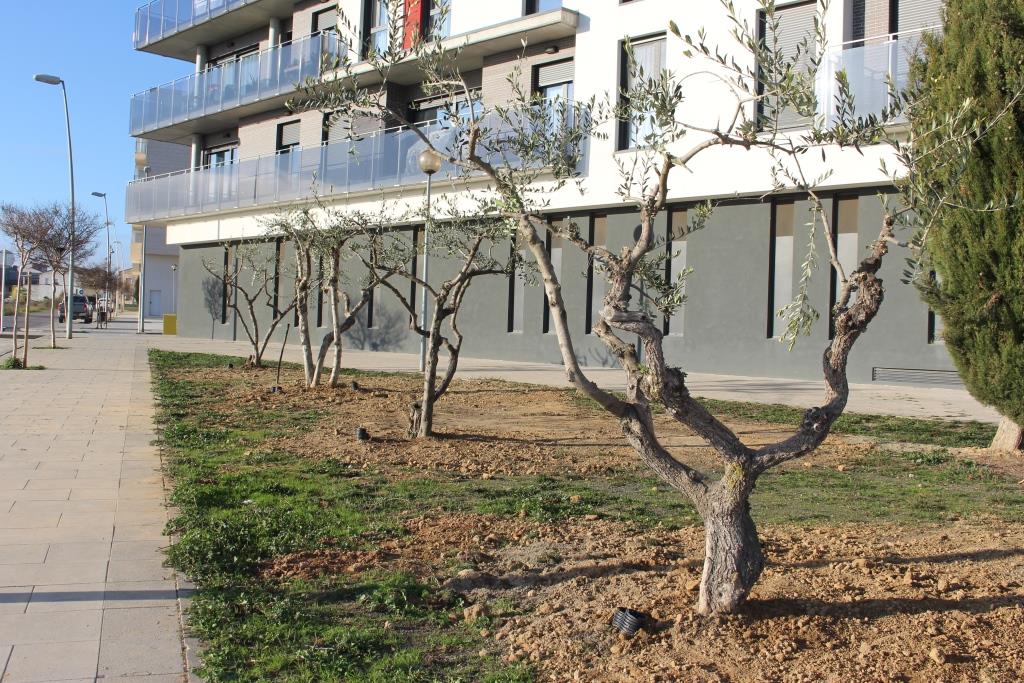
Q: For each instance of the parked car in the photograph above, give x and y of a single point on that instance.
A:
(80, 309)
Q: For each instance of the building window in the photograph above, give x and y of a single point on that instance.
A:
(227, 276)
(595, 280)
(553, 85)
(320, 293)
(516, 297)
(287, 136)
(675, 264)
(935, 325)
(438, 26)
(538, 6)
(375, 29)
(325, 20)
(844, 232)
(796, 24)
(554, 247)
(649, 55)
(780, 263)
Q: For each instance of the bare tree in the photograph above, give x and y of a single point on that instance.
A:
(56, 247)
(249, 279)
(477, 246)
(26, 228)
(527, 149)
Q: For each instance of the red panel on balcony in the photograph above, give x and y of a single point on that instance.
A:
(415, 19)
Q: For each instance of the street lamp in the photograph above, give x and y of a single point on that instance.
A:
(69, 297)
(106, 216)
(430, 163)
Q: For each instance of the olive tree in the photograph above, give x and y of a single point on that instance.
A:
(56, 245)
(526, 149)
(331, 237)
(246, 281)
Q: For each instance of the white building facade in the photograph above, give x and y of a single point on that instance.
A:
(250, 157)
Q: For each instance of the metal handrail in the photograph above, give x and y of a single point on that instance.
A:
(271, 155)
(213, 67)
(887, 37)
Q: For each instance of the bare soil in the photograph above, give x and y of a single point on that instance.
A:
(922, 604)
(489, 427)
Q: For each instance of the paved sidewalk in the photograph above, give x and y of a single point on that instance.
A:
(84, 595)
(901, 400)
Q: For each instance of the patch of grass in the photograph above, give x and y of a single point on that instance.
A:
(885, 486)
(243, 505)
(13, 363)
(945, 433)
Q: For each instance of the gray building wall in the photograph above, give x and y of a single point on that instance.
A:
(725, 319)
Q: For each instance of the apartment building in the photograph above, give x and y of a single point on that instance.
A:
(249, 158)
(155, 158)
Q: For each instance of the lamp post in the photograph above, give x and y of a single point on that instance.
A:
(69, 296)
(430, 163)
(106, 217)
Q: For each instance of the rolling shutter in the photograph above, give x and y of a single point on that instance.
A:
(915, 15)
(554, 73)
(328, 19)
(337, 131)
(288, 135)
(796, 24)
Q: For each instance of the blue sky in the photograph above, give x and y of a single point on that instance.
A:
(88, 43)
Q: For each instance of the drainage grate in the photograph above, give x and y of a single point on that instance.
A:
(947, 379)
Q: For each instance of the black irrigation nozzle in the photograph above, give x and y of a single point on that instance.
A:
(354, 385)
(629, 621)
(362, 434)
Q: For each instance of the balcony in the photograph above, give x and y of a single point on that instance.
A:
(219, 97)
(255, 78)
(870, 65)
(174, 28)
(374, 162)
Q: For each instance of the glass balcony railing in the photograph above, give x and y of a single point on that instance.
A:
(385, 159)
(870, 66)
(251, 78)
(381, 160)
(162, 18)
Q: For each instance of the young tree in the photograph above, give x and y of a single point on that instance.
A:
(972, 269)
(526, 149)
(26, 229)
(250, 277)
(474, 243)
(56, 246)
(329, 237)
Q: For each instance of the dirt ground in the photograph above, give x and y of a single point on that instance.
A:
(492, 428)
(922, 604)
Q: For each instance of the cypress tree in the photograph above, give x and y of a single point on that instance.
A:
(974, 260)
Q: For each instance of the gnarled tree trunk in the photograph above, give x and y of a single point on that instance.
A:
(733, 559)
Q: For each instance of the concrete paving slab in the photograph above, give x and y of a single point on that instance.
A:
(78, 552)
(42, 662)
(14, 599)
(73, 597)
(46, 627)
(33, 553)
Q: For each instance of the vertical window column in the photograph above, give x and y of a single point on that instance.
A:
(675, 264)
(516, 296)
(844, 231)
(554, 247)
(595, 280)
(780, 263)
